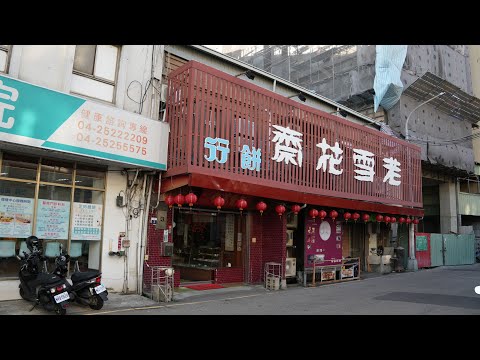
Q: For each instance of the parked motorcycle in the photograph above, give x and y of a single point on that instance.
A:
(86, 285)
(48, 290)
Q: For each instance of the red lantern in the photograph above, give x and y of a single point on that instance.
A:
(296, 208)
(314, 213)
(379, 218)
(355, 216)
(386, 219)
(218, 202)
(416, 221)
(170, 201)
(401, 220)
(280, 209)
(241, 204)
(191, 199)
(333, 214)
(347, 216)
(393, 220)
(408, 221)
(365, 217)
(179, 200)
(322, 214)
(261, 206)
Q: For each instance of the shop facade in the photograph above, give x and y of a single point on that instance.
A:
(69, 170)
(255, 177)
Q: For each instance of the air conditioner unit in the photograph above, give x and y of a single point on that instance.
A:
(290, 267)
(289, 237)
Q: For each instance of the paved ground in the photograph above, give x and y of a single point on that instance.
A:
(438, 291)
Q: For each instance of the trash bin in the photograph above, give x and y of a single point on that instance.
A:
(399, 259)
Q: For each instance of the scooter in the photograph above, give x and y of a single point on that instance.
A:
(86, 286)
(48, 290)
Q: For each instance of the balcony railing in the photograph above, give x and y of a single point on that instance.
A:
(203, 102)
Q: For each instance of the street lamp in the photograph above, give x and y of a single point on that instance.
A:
(408, 117)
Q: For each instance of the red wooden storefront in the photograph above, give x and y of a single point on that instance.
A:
(210, 111)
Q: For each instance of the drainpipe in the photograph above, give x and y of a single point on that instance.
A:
(459, 215)
(143, 238)
(412, 262)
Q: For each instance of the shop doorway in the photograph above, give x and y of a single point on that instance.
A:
(205, 242)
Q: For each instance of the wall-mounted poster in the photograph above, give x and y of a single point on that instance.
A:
(52, 219)
(16, 216)
(229, 232)
(87, 221)
(320, 242)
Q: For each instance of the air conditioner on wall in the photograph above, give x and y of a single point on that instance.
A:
(290, 267)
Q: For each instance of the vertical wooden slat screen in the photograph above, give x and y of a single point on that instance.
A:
(205, 102)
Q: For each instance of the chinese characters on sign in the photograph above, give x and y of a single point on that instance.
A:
(288, 149)
(15, 216)
(109, 132)
(11, 97)
(52, 219)
(87, 221)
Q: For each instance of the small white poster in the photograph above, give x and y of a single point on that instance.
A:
(87, 221)
(229, 232)
(16, 216)
(52, 219)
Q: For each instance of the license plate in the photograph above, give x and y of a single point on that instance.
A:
(61, 297)
(99, 289)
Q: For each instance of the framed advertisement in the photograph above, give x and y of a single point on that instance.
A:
(328, 274)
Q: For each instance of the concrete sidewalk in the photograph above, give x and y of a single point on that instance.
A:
(119, 301)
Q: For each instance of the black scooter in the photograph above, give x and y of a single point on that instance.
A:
(86, 286)
(48, 290)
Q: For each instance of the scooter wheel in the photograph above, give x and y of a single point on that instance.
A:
(96, 303)
(60, 311)
(22, 294)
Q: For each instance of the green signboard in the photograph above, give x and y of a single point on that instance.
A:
(36, 116)
(421, 243)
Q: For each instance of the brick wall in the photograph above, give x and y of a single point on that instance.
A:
(154, 238)
(271, 238)
(229, 275)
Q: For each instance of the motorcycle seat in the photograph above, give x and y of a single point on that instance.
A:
(85, 275)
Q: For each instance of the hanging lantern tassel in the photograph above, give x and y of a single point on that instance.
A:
(219, 202)
(191, 199)
(179, 200)
(355, 216)
(296, 208)
(333, 214)
(170, 201)
(280, 209)
(261, 206)
(241, 204)
(322, 214)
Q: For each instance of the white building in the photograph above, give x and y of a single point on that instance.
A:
(81, 145)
